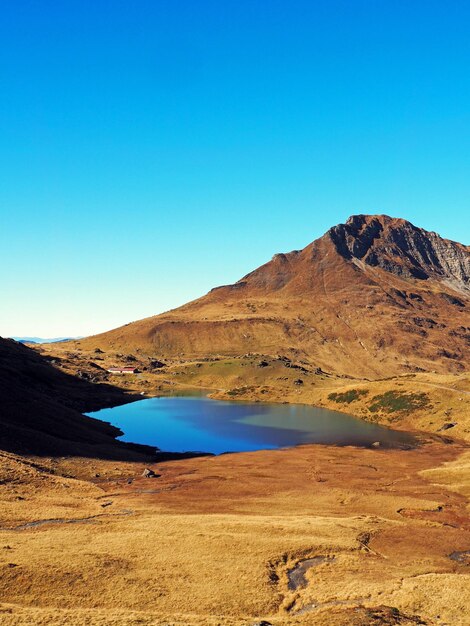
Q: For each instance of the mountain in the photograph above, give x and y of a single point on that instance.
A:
(41, 339)
(41, 410)
(373, 297)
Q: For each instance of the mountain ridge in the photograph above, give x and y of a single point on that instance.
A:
(426, 252)
(374, 296)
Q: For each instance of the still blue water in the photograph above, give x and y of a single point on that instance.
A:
(181, 424)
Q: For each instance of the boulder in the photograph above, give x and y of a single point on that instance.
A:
(448, 425)
(154, 364)
(148, 473)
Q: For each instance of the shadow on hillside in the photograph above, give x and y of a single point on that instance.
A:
(41, 410)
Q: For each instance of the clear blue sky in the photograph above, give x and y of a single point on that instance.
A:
(151, 150)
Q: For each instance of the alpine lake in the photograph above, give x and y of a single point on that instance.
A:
(196, 423)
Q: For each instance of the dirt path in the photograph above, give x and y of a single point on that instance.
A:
(444, 387)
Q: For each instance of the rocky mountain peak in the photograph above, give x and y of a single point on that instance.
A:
(395, 245)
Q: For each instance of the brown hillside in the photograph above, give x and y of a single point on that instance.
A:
(40, 410)
(373, 297)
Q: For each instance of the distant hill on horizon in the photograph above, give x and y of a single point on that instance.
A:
(374, 297)
(42, 339)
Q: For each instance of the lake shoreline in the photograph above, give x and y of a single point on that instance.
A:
(180, 420)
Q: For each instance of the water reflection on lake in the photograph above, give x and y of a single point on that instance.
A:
(189, 423)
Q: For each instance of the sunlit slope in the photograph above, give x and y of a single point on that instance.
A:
(373, 297)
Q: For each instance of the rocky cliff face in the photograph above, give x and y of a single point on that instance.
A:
(398, 247)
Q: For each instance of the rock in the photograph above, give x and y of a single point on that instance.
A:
(98, 351)
(294, 366)
(154, 364)
(263, 364)
(376, 444)
(83, 375)
(148, 473)
(263, 622)
(452, 299)
(400, 248)
(298, 381)
(447, 425)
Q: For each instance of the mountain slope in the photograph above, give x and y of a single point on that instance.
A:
(373, 297)
(40, 410)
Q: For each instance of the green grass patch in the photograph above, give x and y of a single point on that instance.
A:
(348, 396)
(396, 401)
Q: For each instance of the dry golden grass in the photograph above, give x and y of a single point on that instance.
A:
(211, 540)
(454, 475)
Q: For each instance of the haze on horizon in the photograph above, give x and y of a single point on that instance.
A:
(152, 152)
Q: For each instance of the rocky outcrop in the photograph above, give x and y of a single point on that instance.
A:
(397, 246)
